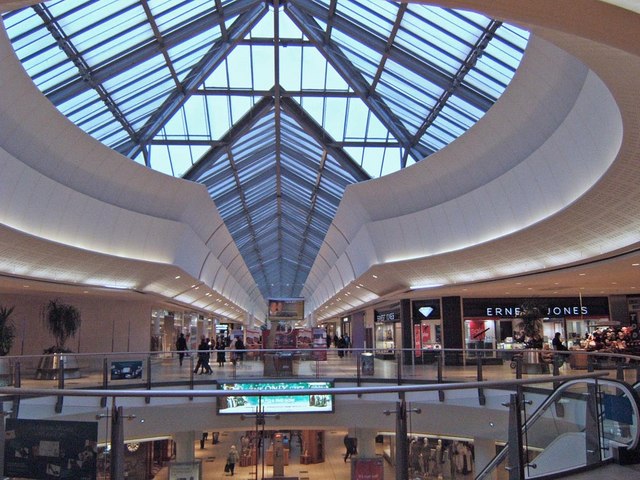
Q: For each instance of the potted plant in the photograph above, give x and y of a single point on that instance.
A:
(62, 320)
(7, 335)
(531, 314)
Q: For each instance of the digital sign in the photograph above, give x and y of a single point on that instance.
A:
(288, 403)
(286, 309)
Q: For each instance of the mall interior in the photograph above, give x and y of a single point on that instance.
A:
(372, 195)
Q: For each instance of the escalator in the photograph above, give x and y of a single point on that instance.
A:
(584, 423)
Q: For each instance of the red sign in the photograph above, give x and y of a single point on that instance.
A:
(367, 469)
(426, 334)
(416, 340)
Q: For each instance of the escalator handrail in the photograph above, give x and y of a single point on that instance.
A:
(630, 392)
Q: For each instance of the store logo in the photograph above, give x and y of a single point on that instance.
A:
(426, 311)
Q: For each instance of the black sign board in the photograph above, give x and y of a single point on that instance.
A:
(46, 449)
(557, 307)
(390, 314)
(426, 310)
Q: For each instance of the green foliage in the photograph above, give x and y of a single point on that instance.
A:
(7, 330)
(532, 314)
(62, 320)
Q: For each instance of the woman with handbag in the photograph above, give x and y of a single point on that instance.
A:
(232, 459)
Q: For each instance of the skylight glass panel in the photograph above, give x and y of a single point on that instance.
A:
(290, 67)
(357, 115)
(239, 67)
(448, 25)
(314, 69)
(51, 78)
(264, 28)
(262, 71)
(362, 56)
(169, 14)
(377, 18)
(118, 34)
(188, 53)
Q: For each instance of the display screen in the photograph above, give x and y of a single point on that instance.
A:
(286, 309)
(238, 404)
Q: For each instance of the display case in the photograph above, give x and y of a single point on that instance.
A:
(385, 344)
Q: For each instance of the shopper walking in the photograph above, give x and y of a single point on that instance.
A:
(220, 354)
(232, 459)
(181, 347)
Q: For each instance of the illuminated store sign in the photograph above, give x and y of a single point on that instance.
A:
(552, 307)
(387, 315)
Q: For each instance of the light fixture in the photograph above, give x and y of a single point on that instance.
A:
(133, 446)
(432, 285)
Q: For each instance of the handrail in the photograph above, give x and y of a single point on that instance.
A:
(552, 399)
(162, 393)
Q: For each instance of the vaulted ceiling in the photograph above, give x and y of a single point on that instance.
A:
(276, 107)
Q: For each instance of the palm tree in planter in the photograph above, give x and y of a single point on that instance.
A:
(531, 314)
(63, 321)
(7, 335)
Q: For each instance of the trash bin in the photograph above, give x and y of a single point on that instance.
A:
(366, 363)
(284, 364)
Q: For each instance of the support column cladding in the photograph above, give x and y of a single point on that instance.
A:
(185, 445)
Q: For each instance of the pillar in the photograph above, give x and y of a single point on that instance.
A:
(366, 442)
(185, 442)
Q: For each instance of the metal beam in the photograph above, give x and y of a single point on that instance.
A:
(470, 62)
(408, 61)
(247, 92)
(321, 136)
(350, 74)
(86, 74)
(214, 57)
(259, 110)
(113, 67)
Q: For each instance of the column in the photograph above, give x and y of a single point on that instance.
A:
(185, 442)
(366, 442)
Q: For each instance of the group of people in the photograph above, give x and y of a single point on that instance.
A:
(342, 343)
(206, 346)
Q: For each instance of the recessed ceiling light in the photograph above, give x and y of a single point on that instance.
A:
(635, 264)
(374, 276)
(177, 277)
(582, 274)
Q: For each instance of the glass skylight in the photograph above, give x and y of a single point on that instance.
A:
(190, 88)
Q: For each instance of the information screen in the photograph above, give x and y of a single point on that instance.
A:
(239, 404)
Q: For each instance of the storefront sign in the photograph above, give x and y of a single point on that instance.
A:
(553, 307)
(425, 310)
(387, 315)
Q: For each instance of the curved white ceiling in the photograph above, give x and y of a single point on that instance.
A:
(563, 204)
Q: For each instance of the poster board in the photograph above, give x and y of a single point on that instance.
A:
(45, 449)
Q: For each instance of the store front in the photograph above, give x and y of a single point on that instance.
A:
(388, 332)
(427, 328)
(494, 323)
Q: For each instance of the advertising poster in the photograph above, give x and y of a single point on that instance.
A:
(288, 403)
(304, 339)
(417, 344)
(252, 340)
(426, 334)
(184, 471)
(367, 469)
(319, 343)
(286, 309)
(48, 449)
(126, 370)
